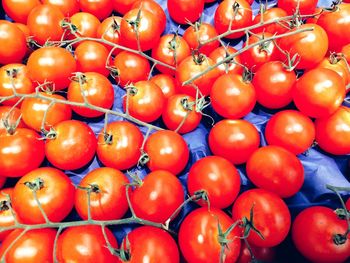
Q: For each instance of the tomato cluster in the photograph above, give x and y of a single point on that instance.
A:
(67, 66)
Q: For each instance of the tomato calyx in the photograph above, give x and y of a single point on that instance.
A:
(91, 188)
(186, 104)
(35, 185)
(131, 90)
(136, 22)
(342, 213)
(124, 252)
(334, 6)
(248, 225)
(198, 58)
(235, 8)
(247, 75)
(49, 135)
(135, 179)
(291, 62)
(4, 205)
(66, 24)
(223, 240)
(79, 77)
(143, 160)
(10, 128)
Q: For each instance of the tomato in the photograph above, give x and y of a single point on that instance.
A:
(336, 24)
(54, 191)
(14, 76)
(99, 8)
(19, 10)
(166, 83)
(199, 237)
(306, 7)
(86, 244)
(33, 111)
(268, 15)
(92, 56)
(184, 11)
(167, 150)
(122, 6)
(73, 145)
(319, 92)
(120, 146)
(152, 244)
(273, 84)
(6, 216)
(346, 51)
(236, 13)
(232, 96)
(191, 67)
(179, 107)
(264, 254)
(234, 140)
(271, 216)
(311, 46)
(25, 29)
(44, 22)
(171, 50)
(86, 24)
(13, 43)
(109, 30)
(108, 195)
(291, 130)
(218, 177)
(130, 68)
(231, 66)
(51, 64)
(67, 7)
(313, 234)
(332, 132)
(20, 152)
(98, 91)
(199, 33)
(157, 197)
(34, 246)
(314, 19)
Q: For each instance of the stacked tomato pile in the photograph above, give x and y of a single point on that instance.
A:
(104, 105)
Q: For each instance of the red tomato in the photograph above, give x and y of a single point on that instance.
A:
(271, 216)
(314, 19)
(86, 24)
(54, 191)
(25, 29)
(166, 83)
(33, 111)
(157, 197)
(273, 84)
(268, 15)
(122, 6)
(313, 234)
(109, 30)
(291, 130)
(67, 7)
(231, 66)
(198, 237)
(236, 13)
(120, 146)
(234, 140)
(9, 118)
(178, 108)
(20, 152)
(306, 7)
(86, 244)
(6, 216)
(184, 11)
(51, 64)
(333, 132)
(346, 51)
(264, 254)
(168, 151)
(14, 76)
(97, 90)
(319, 92)
(232, 96)
(13, 43)
(73, 145)
(99, 8)
(153, 244)
(171, 50)
(108, 196)
(130, 68)
(337, 65)
(218, 177)
(19, 10)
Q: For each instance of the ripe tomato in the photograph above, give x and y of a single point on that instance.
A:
(199, 237)
(337, 65)
(120, 146)
(51, 64)
(54, 191)
(13, 43)
(236, 13)
(130, 68)
(263, 254)
(232, 66)
(313, 234)
(234, 140)
(6, 216)
(34, 246)
(273, 84)
(122, 6)
(306, 7)
(332, 132)
(157, 197)
(218, 177)
(86, 25)
(232, 96)
(108, 196)
(153, 244)
(109, 30)
(166, 83)
(168, 151)
(99, 8)
(73, 145)
(86, 244)
(271, 216)
(319, 92)
(14, 76)
(9, 118)
(291, 130)
(268, 15)
(20, 152)
(182, 11)
(25, 29)
(19, 10)
(33, 111)
(346, 51)
(171, 50)
(97, 90)
(177, 108)
(67, 7)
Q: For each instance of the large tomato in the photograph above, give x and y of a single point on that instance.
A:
(306, 7)
(19, 10)
(86, 25)
(99, 8)
(109, 30)
(9, 117)
(67, 7)
(122, 6)
(166, 83)
(184, 11)
(232, 66)
(267, 16)
(6, 216)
